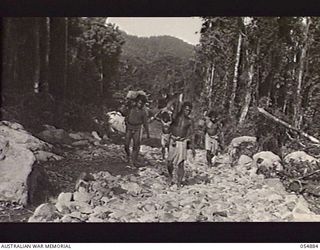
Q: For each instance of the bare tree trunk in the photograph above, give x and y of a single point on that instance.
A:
(211, 86)
(7, 62)
(57, 56)
(65, 78)
(248, 96)
(101, 90)
(44, 54)
(277, 120)
(297, 107)
(235, 76)
(225, 89)
(36, 81)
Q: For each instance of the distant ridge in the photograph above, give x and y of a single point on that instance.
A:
(152, 48)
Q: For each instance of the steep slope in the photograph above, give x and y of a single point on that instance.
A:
(155, 63)
(152, 48)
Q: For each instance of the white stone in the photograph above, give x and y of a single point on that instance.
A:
(64, 198)
(94, 219)
(133, 188)
(116, 122)
(274, 197)
(269, 160)
(76, 136)
(306, 217)
(46, 156)
(300, 156)
(15, 169)
(245, 161)
(96, 136)
(43, 213)
(23, 137)
(12, 125)
(82, 196)
(55, 135)
(238, 140)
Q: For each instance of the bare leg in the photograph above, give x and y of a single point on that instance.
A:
(170, 171)
(136, 146)
(209, 158)
(127, 144)
(180, 173)
(163, 151)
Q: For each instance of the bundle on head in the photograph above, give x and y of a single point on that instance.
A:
(186, 104)
(141, 98)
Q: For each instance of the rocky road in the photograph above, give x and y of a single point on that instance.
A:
(223, 193)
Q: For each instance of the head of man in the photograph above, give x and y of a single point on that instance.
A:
(212, 115)
(141, 100)
(186, 108)
(165, 116)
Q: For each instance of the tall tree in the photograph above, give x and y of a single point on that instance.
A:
(57, 57)
(36, 82)
(305, 24)
(235, 75)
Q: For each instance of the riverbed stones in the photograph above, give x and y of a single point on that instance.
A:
(243, 145)
(43, 213)
(15, 169)
(267, 163)
(230, 195)
(245, 161)
(46, 156)
(300, 156)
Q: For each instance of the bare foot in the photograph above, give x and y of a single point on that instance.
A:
(170, 181)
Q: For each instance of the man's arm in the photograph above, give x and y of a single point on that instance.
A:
(145, 123)
(156, 116)
(191, 137)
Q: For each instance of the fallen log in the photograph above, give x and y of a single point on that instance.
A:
(287, 125)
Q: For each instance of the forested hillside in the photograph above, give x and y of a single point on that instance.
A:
(156, 63)
(152, 48)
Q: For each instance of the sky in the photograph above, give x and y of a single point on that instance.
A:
(184, 28)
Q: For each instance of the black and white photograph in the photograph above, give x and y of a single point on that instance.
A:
(160, 119)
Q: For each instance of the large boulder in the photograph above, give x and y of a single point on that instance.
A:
(133, 94)
(46, 156)
(20, 180)
(299, 164)
(243, 145)
(116, 122)
(44, 213)
(54, 135)
(267, 163)
(14, 133)
(300, 156)
(15, 169)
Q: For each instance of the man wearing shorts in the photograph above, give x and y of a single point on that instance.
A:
(165, 117)
(182, 130)
(211, 137)
(135, 119)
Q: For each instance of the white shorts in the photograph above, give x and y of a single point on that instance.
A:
(177, 152)
(211, 143)
(165, 139)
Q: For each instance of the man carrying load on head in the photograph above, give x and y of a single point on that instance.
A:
(136, 117)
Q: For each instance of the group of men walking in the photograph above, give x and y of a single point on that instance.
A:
(177, 135)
